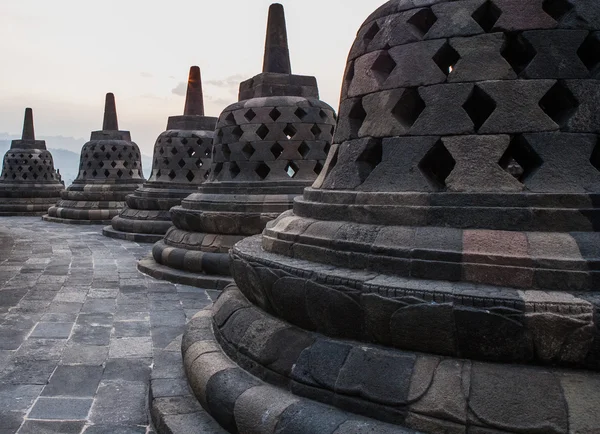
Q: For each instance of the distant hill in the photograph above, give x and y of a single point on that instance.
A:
(68, 161)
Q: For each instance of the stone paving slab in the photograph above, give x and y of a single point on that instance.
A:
(81, 331)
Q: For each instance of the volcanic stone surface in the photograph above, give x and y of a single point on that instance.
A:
(441, 273)
(181, 162)
(28, 184)
(267, 148)
(110, 168)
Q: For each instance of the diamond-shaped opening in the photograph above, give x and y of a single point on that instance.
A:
(520, 160)
(126, 164)
(207, 152)
(103, 148)
(349, 72)
(423, 21)
(595, 158)
(234, 170)
(190, 176)
(107, 155)
(487, 15)
(316, 131)
(291, 169)
(131, 173)
(446, 58)
(437, 165)
(161, 151)
(303, 149)
(172, 174)
(276, 150)
(479, 106)
(184, 141)
(383, 66)
(237, 133)
(190, 152)
(226, 151)
(371, 33)
(94, 173)
(559, 103)
(199, 163)
(356, 117)
(230, 119)
(326, 148)
(218, 168)
(174, 151)
(250, 115)
(106, 173)
(557, 9)
(181, 163)
(30, 169)
(589, 52)
(290, 131)
(169, 140)
(369, 159)
(35, 176)
(40, 168)
(262, 170)
(206, 174)
(248, 150)
(300, 113)
(323, 115)
(409, 107)
(89, 164)
(518, 52)
(25, 176)
(119, 173)
(113, 164)
(158, 173)
(113, 148)
(275, 114)
(262, 131)
(318, 167)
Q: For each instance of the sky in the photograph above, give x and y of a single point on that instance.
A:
(60, 57)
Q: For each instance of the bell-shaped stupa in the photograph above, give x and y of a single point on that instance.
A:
(28, 184)
(110, 168)
(181, 162)
(441, 275)
(267, 148)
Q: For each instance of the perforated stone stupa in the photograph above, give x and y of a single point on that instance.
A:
(182, 157)
(441, 275)
(28, 184)
(110, 168)
(268, 147)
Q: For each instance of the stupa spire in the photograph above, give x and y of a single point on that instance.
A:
(110, 114)
(194, 100)
(28, 131)
(277, 54)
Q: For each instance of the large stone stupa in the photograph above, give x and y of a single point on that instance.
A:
(28, 184)
(268, 147)
(441, 275)
(181, 162)
(110, 168)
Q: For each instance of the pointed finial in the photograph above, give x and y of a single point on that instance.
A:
(110, 114)
(28, 132)
(277, 54)
(194, 100)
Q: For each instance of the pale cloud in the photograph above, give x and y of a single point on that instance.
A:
(232, 81)
(180, 89)
(146, 74)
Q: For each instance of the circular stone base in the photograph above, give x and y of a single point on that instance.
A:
(152, 268)
(110, 232)
(22, 213)
(47, 218)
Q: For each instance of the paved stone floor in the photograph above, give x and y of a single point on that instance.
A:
(80, 329)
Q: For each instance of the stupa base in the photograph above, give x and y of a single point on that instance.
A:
(242, 402)
(109, 231)
(51, 219)
(248, 367)
(200, 280)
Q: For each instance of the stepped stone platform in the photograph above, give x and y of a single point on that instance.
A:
(181, 163)
(268, 147)
(29, 184)
(87, 343)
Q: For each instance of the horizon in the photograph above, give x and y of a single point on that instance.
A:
(63, 63)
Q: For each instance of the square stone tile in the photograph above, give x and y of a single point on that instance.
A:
(52, 330)
(51, 427)
(91, 335)
(116, 429)
(76, 353)
(74, 381)
(28, 372)
(128, 369)
(120, 402)
(40, 349)
(61, 408)
(99, 305)
(121, 348)
(132, 328)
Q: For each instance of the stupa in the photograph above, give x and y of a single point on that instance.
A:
(267, 148)
(441, 274)
(28, 184)
(110, 168)
(181, 162)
